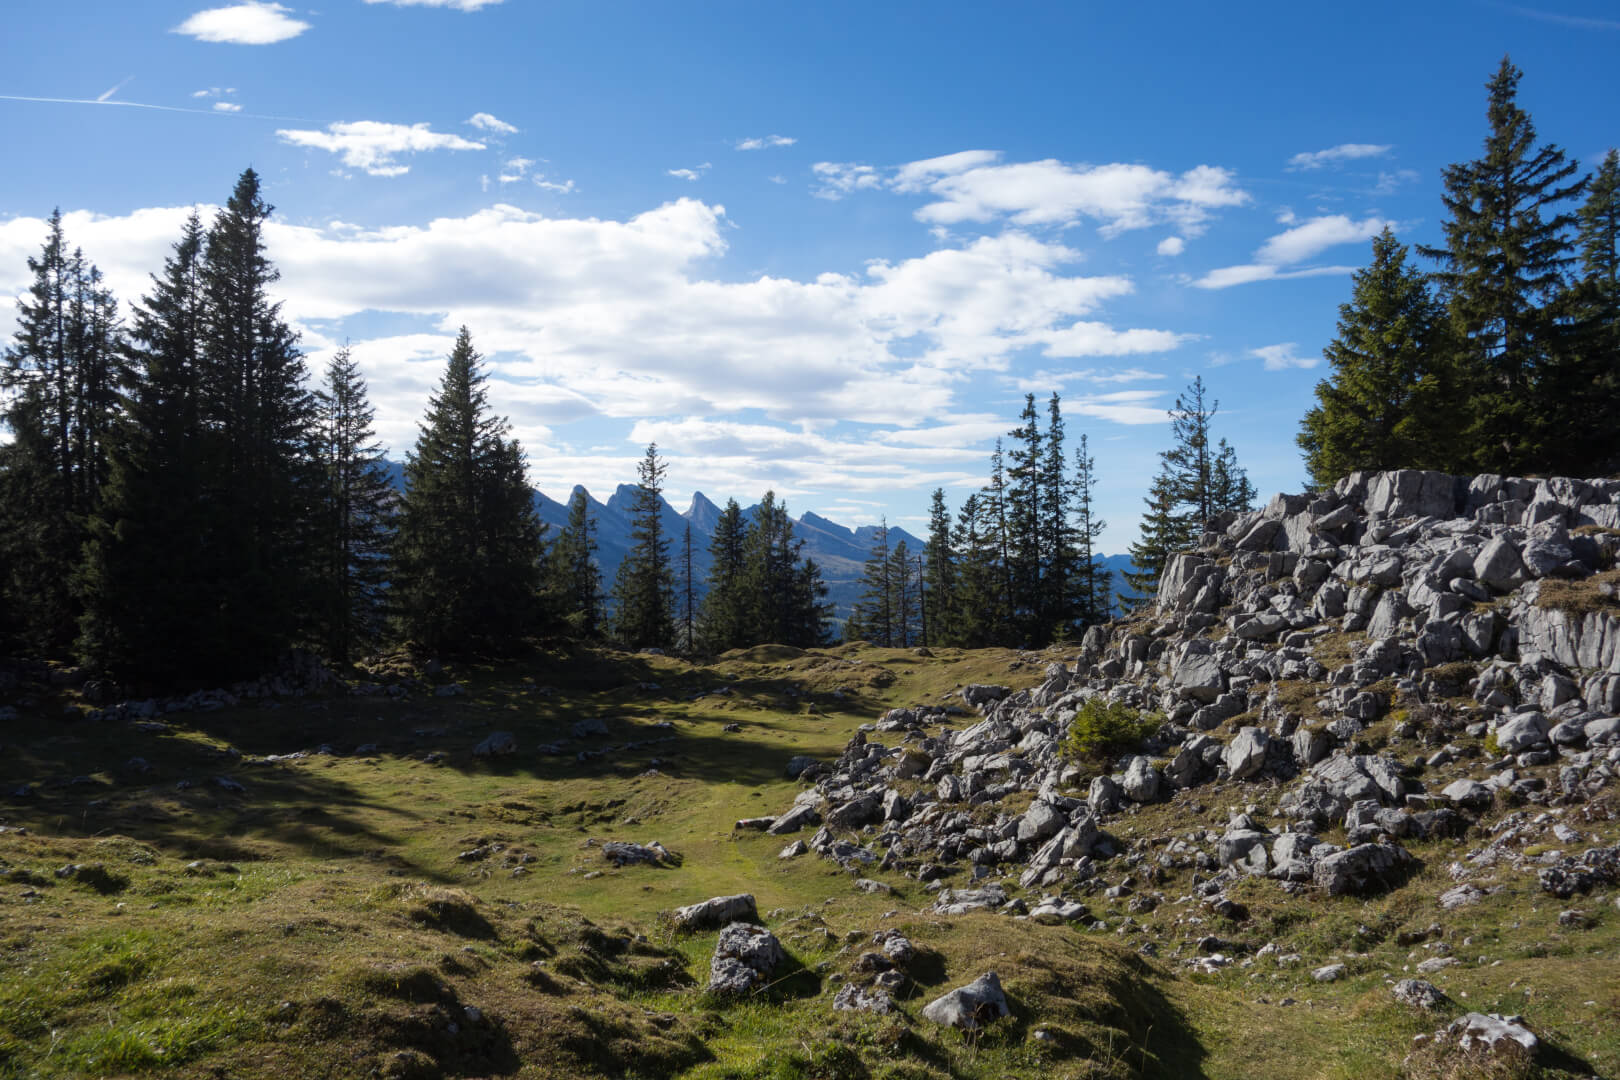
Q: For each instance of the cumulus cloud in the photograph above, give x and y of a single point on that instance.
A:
(227, 106)
(1284, 357)
(1302, 242)
(1336, 155)
(977, 186)
(254, 22)
(483, 121)
(372, 145)
(766, 142)
(1171, 245)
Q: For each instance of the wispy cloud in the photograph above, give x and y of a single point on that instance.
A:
(373, 146)
(1228, 276)
(561, 187)
(105, 94)
(1336, 155)
(766, 142)
(1390, 182)
(1284, 357)
(1302, 242)
(227, 107)
(253, 22)
(690, 174)
(1577, 22)
(457, 5)
(483, 121)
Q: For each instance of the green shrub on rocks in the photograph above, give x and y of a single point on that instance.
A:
(1102, 729)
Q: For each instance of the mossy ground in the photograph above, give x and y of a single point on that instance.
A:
(323, 921)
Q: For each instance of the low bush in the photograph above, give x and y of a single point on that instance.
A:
(1102, 729)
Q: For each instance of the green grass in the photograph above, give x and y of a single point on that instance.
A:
(324, 923)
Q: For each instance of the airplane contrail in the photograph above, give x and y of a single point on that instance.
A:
(143, 105)
(115, 89)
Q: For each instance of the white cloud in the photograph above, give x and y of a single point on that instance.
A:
(1390, 182)
(1284, 357)
(564, 187)
(253, 22)
(458, 5)
(227, 106)
(767, 142)
(689, 174)
(1172, 245)
(483, 121)
(1227, 276)
(837, 179)
(1336, 155)
(372, 145)
(515, 169)
(1317, 235)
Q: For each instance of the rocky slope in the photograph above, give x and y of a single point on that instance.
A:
(1411, 655)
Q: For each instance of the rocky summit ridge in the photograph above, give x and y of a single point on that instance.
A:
(1410, 655)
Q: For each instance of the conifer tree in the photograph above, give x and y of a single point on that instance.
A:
(941, 573)
(1163, 533)
(723, 617)
(469, 541)
(1502, 265)
(1588, 380)
(261, 484)
(1093, 588)
(1229, 481)
(1055, 599)
(976, 617)
(874, 612)
(904, 613)
(1385, 403)
(355, 514)
(1191, 459)
(1025, 541)
(645, 589)
(573, 582)
(783, 592)
(686, 614)
(58, 385)
(149, 601)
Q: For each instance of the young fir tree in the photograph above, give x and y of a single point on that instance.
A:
(997, 526)
(147, 597)
(1056, 597)
(1502, 265)
(573, 582)
(260, 481)
(1385, 404)
(1229, 481)
(782, 591)
(722, 613)
(941, 573)
(1163, 534)
(58, 386)
(903, 619)
(1590, 374)
(1025, 540)
(355, 514)
(686, 613)
(874, 612)
(976, 618)
(468, 548)
(1093, 589)
(645, 589)
(1191, 460)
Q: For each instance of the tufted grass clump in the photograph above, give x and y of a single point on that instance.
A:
(1103, 729)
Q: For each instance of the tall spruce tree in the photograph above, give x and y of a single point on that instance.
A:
(1229, 481)
(1191, 459)
(261, 482)
(58, 398)
(149, 601)
(903, 622)
(1163, 533)
(354, 516)
(941, 573)
(874, 613)
(1501, 268)
(783, 594)
(1093, 588)
(1589, 377)
(1025, 525)
(1386, 403)
(573, 582)
(468, 551)
(976, 617)
(724, 618)
(645, 589)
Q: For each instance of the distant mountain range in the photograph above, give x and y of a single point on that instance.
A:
(841, 552)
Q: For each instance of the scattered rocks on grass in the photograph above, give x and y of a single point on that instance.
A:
(744, 957)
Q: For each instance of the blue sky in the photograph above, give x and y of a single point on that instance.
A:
(823, 249)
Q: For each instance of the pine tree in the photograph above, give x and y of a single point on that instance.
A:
(469, 542)
(1191, 460)
(58, 383)
(874, 612)
(1229, 482)
(355, 515)
(149, 602)
(1093, 588)
(1056, 600)
(1025, 539)
(262, 484)
(941, 573)
(686, 614)
(1501, 267)
(723, 617)
(782, 593)
(645, 590)
(573, 582)
(1163, 534)
(977, 616)
(1386, 403)
(903, 618)
(1589, 378)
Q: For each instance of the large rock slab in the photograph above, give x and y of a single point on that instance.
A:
(1245, 755)
(970, 1007)
(744, 958)
(1364, 868)
(717, 911)
(1412, 493)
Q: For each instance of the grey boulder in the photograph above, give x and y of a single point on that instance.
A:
(970, 1007)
